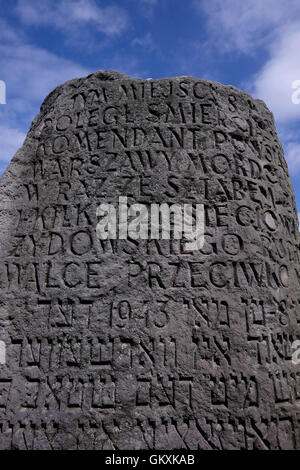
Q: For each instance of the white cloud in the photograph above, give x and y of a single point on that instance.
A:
(250, 26)
(292, 155)
(129, 65)
(145, 42)
(70, 15)
(30, 74)
(7, 33)
(273, 83)
(245, 25)
(11, 140)
(147, 7)
(270, 29)
(148, 2)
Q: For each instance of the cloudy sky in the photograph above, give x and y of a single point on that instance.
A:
(251, 44)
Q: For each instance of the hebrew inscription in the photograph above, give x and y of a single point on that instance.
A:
(140, 343)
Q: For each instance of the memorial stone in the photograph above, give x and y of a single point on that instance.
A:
(130, 343)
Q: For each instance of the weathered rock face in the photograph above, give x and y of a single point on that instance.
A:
(139, 344)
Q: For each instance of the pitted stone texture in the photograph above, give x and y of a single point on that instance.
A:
(138, 344)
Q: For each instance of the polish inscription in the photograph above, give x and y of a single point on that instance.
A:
(115, 344)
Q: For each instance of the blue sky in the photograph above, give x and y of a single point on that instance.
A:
(251, 44)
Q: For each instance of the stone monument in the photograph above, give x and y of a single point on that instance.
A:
(127, 343)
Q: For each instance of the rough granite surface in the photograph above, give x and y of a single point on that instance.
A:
(138, 344)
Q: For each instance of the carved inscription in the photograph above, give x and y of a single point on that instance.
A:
(117, 344)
